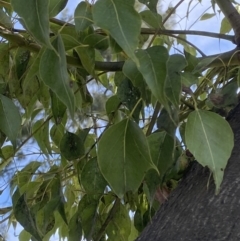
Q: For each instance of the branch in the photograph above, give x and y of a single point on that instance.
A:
(232, 16)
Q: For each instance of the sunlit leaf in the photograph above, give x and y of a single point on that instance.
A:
(225, 26)
(123, 156)
(53, 72)
(205, 132)
(121, 20)
(207, 16)
(35, 17)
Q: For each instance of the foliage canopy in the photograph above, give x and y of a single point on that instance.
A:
(101, 173)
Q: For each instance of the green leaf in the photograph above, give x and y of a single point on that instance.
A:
(173, 86)
(162, 151)
(35, 17)
(151, 4)
(24, 215)
(75, 228)
(41, 134)
(207, 16)
(129, 96)
(119, 228)
(225, 26)
(87, 57)
(124, 25)
(123, 156)
(92, 179)
(153, 66)
(97, 41)
(83, 16)
(10, 119)
(58, 108)
(154, 20)
(205, 132)
(87, 209)
(53, 72)
(71, 146)
(56, 6)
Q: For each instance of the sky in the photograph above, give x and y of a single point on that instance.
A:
(207, 45)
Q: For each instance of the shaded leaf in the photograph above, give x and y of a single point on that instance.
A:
(53, 72)
(129, 96)
(119, 228)
(151, 4)
(83, 16)
(225, 26)
(92, 179)
(58, 108)
(71, 146)
(173, 87)
(35, 17)
(56, 6)
(75, 228)
(123, 156)
(10, 119)
(204, 134)
(153, 19)
(153, 66)
(121, 20)
(24, 215)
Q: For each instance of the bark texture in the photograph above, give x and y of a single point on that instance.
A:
(193, 212)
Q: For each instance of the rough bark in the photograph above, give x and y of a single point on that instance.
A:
(193, 212)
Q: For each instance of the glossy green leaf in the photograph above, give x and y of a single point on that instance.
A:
(173, 86)
(204, 134)
(153, 67)
(124, 157)
(83, 16)
(24, 236)
(56, 6)
(56, 133)
(10, 119)
(92, 179)
(122, 22)
(53, 72)
(35, 17)
(71, 146)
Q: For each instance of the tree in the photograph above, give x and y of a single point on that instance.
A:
(103, 174)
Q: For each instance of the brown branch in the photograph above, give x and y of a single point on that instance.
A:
(232, 16)
(108, 219)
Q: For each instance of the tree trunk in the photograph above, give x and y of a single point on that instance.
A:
(193, 212)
